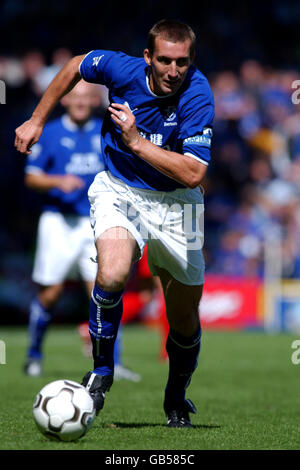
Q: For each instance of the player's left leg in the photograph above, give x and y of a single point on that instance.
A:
(183, 346)
(58, 246)
(120, 371)
(40, 316)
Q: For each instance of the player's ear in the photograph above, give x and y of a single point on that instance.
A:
(147, 56)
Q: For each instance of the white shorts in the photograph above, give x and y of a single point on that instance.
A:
(170, 222)
(65, 245)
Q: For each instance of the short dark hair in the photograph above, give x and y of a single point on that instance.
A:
(173, 31)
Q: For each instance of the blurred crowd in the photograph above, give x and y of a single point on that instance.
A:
(252, 186)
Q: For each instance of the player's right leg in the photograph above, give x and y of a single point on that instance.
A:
(40, 316)
(116, 252)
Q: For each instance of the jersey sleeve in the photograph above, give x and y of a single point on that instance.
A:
(196, 124)
(39, 159)
(107, 68)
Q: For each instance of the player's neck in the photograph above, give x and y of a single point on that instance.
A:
(79, 123)
(153, 88)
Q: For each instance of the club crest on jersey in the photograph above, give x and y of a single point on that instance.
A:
(67, 142)
(169, 115)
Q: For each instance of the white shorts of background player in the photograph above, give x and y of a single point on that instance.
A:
(65, 246)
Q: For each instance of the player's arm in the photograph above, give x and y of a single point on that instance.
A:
(182, 168)
(43, 182)
(30, 131)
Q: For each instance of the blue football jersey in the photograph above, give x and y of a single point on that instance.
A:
(181, 122)
(65, 148)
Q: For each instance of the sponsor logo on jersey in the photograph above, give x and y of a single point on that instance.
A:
(156, 139)
(83, 164)
(96, 60)
(200, 139)
(169, 115)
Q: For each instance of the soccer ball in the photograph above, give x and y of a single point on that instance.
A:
(64, 409)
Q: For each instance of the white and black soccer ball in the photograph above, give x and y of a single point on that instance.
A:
(64, 409)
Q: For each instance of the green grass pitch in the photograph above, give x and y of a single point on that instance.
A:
(246, 389)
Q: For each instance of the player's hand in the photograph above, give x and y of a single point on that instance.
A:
(125, 119)
(27, 135)
(68, 183)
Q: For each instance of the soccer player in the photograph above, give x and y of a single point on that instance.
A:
(156, 141)
(62, 166)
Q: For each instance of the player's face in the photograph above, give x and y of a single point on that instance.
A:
(79, 103)
(169, 64)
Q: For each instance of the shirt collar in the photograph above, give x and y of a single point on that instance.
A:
(73, 127)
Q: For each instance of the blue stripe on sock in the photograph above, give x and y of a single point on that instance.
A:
(105, 314)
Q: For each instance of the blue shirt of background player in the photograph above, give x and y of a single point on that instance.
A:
(181, 122)
(65, 148)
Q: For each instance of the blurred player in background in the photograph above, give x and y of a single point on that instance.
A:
(62, 166)
(156, 140)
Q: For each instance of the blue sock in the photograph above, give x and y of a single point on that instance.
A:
(39, 319)
(183, 359)
(105, 315)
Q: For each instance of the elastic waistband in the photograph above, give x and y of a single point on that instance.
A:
(153, 192)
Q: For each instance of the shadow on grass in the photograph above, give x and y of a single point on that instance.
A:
(145, 425)
(61, 375)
